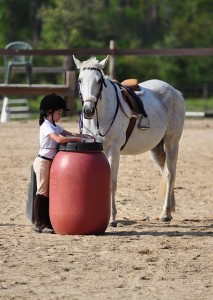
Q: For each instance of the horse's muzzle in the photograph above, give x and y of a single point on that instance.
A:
(89, 111)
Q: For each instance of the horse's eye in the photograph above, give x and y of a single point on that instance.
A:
(99, 81)
(79, 81)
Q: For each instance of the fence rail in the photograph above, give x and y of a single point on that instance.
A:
(113, 51)
(35, 89)
(41, 70)
(67, 89)
(69, 79)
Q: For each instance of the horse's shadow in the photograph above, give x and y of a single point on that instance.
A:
(175, 229)
(11, 225)
(154, 229)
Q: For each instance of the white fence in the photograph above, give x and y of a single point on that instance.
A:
(14, 109)
(19, 108)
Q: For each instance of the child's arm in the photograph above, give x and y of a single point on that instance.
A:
(67, 133)
(63, 139)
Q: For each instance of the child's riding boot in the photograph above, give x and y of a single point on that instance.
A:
(41, 215)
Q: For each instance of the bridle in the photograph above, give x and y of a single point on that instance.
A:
(96, 102)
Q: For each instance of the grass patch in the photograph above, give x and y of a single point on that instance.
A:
(199, 104)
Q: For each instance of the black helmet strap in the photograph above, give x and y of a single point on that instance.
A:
(41, 117)
(53, 120)
(44, 114)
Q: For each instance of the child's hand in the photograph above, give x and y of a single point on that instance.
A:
(76, 139)
(89, 137)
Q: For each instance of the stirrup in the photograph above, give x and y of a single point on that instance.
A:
(144, 123)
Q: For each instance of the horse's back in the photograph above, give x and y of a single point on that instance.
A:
(171, 99)
(156, 85)
(164, 91)
(165, 108)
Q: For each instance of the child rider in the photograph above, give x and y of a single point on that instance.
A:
(51, 134)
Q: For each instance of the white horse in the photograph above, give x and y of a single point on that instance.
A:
(106, 116)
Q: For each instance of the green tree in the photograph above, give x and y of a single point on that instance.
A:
(16, 18)
(188, 24)
(59, 24)
(68, 23)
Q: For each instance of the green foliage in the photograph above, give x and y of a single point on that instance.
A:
(199, 104)
(61, 24)
(186, 71)
(189, 24)
(16, 21)
(66, 23)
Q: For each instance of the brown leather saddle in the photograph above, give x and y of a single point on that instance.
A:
(128, 88)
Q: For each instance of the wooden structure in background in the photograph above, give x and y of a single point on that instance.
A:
(67, 90)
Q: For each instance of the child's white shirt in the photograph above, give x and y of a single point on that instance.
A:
(48, 147)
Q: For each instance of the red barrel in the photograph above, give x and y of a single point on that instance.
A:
(80, 180)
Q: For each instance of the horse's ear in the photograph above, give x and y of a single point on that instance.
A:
(77, 62)
(103, 62)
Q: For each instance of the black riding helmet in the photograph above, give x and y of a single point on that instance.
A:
(49, 104)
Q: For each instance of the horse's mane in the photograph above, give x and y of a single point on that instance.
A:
(91, 63)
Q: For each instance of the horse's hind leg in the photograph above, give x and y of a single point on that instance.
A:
(159, 156)
(169, 173)
(165, 155)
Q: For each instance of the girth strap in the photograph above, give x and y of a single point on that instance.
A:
(129, 130)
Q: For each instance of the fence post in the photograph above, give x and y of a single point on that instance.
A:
(70, 81)
(5, 113)
(205, 96)
(67, 65)
(112, 60)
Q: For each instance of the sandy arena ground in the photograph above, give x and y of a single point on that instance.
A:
(141, 258)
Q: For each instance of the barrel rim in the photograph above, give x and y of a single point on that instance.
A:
(83, 147)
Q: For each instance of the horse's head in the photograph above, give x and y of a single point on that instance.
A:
(90, 83)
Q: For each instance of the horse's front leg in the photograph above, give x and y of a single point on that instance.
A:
(113, 157)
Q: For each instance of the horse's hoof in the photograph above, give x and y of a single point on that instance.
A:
(113, 224)
(165, 219)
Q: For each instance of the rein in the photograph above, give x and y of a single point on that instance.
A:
(116, 111)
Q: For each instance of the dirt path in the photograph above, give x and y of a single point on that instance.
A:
(141, 258)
